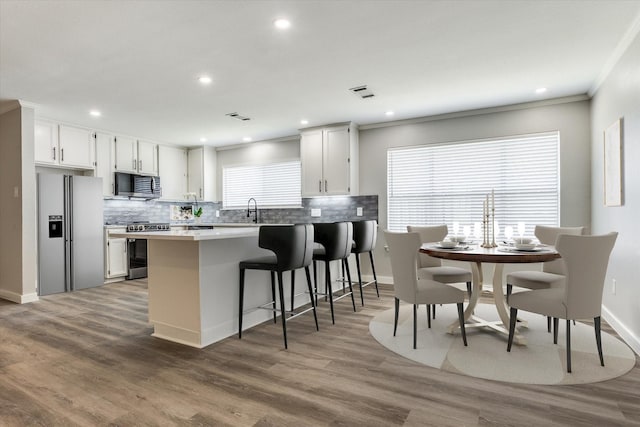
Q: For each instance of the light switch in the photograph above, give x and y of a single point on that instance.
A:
(315, 212)
(358, 211)
(16, 192)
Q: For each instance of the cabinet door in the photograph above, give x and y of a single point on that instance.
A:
(116, 257)
(311, 162)
(172, 167)
(104, 165)
(147, 158)
(76, 147)
(126, 151)
(335, 161)
(46, 142)
(196, 172)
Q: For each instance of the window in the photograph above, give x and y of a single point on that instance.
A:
(272, 185)
(447, 183)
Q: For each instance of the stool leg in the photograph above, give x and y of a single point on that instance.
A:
(327, 275)
(293, 287)
(273, 295)
(359, 277)
(373, 270)
(343, 276)
(283, 315)
(315, 315)
(353, 300)
(241, 303)
(315, 281)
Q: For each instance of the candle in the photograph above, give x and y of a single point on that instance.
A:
(493, 201)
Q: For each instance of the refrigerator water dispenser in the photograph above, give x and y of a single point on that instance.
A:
(55, 226)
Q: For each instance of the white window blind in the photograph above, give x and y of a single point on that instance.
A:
(272, 185)
(447, 183)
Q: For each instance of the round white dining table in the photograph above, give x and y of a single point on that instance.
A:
(476, 256)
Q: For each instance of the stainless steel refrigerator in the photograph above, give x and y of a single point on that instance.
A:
(70, 233)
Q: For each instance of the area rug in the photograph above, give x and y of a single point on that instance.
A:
(538, 362)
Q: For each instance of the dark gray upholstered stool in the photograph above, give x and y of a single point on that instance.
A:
(365, 234)
(293, 249)
(336, 240)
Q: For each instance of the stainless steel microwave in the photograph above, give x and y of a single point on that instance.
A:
(141, 186)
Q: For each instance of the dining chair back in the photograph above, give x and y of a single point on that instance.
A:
(548, 236)
(432, 233)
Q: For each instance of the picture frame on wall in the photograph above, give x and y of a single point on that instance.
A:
(613, 164)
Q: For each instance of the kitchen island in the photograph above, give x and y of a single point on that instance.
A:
(193, 283)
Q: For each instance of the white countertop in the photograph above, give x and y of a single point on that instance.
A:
(196, 235)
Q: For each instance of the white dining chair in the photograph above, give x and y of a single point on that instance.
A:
(552, 273)
(431, 268)
(403, 251)
(585, 263)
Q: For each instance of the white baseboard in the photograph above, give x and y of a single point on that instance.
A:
(625, 333)
(18, 298)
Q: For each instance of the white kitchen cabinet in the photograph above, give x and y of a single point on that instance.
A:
(104, 162)
(133, 156)
(172, 166)
(202, 173)
(63, 145)
(116, 257)
(329, 158)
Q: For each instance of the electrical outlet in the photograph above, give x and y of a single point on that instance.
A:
(315, 212)
(358, 211)
(613, 286)
(217, 213)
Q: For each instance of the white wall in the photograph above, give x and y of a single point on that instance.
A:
(619, 97)
(570, 118)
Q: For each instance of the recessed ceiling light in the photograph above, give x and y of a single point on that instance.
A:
(205, 80)
(541, 90)
(95, 113)
(203, 139)
(247, 139)
(304, 122)
(282, 23)
(389, 113)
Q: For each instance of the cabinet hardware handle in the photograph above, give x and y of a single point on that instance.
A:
(62, 154)
(139, 164)
(326, 188)
(201, 193)
(54, 153)
(133, 163)
(320, 185)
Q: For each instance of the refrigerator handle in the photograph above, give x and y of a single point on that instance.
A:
(68, 235)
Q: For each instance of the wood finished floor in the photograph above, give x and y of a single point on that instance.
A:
(87, 358)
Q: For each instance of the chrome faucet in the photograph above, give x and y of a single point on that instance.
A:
(254, 210)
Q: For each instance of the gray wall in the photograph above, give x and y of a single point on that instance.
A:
(619, 97)
(570, 118)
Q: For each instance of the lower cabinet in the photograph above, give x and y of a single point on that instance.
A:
(116, 261)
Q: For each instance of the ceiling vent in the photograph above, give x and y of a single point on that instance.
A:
(362, 91)
(238, 117)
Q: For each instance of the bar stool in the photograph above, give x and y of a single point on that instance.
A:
(293, 249)
(336, 240)
(365, 234)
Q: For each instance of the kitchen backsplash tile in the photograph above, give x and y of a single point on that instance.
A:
(334, 208)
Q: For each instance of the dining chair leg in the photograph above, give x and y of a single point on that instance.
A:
(433, 312)
(509, 290)
(359, 278)
(293, 287)
(313, 305)
(513, 317)
(415, 325)
(596, 325)
(555, 330)
(461, 320)
(429, 315)
(395, 317)
(329, 290)
(373, 270)
(469, 289)
(346, 266)
(283, 314)
(549, 324)
(241, 307)
(273, 295)
(568, 346)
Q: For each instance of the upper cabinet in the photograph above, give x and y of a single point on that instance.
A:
(329, 158)
(63, 146)
(202, 173)
(173, 171)
(135, 156)
(104, 161)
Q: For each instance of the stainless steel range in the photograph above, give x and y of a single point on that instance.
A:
(137, 248)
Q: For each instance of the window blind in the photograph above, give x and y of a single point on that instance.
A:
(447, 183)
(275, 184)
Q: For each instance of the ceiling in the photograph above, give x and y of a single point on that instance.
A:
(138, 62)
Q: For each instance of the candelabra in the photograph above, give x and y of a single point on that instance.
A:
(489, 222)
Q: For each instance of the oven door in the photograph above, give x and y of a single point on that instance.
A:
(137, 258)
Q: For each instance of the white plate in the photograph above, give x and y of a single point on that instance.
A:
(455, 248)
(512, 249)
